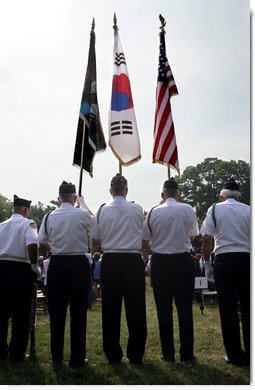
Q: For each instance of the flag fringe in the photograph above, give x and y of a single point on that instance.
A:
(166, 165)
(125, 164)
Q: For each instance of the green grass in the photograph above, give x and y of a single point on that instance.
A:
(210, 367)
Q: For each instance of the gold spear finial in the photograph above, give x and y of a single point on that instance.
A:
(163, 23)
(93, 24)
(115, 21)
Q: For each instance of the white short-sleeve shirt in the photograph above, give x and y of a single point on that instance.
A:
(67, 230)
(232, 231)
(172, 224)
(119, 226)
(16, 233)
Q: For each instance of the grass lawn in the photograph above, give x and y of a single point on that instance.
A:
(210, 368)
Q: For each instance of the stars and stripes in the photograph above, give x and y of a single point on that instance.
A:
(165, 148)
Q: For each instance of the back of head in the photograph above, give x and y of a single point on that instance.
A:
(170, 188)
(119, 185)
(19, 204)
(230, 190)
(67, 191)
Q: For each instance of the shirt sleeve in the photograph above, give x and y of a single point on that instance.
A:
(95, 228)
(42, 236)
(194, 227)
(31, 234)
(208, 226)
(146, 233)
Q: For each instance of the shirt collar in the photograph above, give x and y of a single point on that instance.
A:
(119, 198)
(170, 200)
(230, 200)
(17, 216)
(66, 205)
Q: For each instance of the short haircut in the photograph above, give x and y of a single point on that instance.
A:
(170, 192)
(225, 193)
(19, 208)
(66, 197)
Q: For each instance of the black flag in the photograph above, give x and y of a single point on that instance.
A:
(89, 118)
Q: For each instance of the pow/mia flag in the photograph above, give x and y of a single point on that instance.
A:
(89, 129)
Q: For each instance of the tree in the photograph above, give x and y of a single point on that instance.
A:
(37, 211)
(5, 208)
(200, 186)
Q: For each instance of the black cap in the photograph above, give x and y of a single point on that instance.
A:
(67, 188)
(119, 182)
(170, 184)
(231, 185)
(21, 202)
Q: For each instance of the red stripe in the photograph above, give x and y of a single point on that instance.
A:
(174, 157)
(167, 142)
(161, 125)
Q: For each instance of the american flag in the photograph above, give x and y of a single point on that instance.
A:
(165, 148)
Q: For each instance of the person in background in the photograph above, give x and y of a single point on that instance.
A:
(46, 263)
(97, 275)
(117, 229)
(18, 263)
(65, 233)
(168, 232)
(227, 224)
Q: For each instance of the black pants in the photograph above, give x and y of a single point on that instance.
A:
(232, 278)
(68, 282)
(173, 278)
(15, 303)
(123, 276)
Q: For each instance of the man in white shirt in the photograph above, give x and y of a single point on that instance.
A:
(228, 224)
(64, 232)
(18, 255)
(168, 232)
(117, 229)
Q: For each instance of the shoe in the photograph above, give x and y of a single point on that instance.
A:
(238, 362)
(77, 364)
(57, 364)
(135, 361)
(112, 361)
(17, 358)
(191, 359)
(167, 359)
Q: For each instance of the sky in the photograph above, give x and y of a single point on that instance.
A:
(43, 59)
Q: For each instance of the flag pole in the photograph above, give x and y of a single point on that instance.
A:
(120, 169)
(82, 158)
(162, 28)
(168, 172)
(115, 27)
(114, 21)
(83, 137)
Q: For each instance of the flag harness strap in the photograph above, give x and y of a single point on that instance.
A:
(99, 212)
(213, 214)
(46, 219)
(149, 217)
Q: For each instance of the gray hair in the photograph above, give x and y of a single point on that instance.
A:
(225, 193)
(18, 209)
(170, 192)
(66, 197)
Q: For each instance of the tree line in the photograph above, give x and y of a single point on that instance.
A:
(199, 185)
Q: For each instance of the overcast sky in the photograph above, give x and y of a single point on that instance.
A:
(43, 59)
